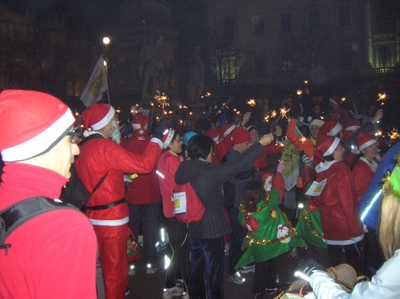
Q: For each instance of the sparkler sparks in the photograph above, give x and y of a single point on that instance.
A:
(394, 134)
(382, 97)
(251, 102)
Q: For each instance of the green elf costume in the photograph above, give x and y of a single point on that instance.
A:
(270, 232)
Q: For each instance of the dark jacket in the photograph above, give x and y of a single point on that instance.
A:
(207, 179)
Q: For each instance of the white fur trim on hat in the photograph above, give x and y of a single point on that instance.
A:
(105, 120)
(170, 135)
(41, 142)
(335, 130)
(317, 122)
(368, 143)
(229, 130)
(332, 148)
(352, 128)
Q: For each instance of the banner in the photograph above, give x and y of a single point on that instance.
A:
(96, 85)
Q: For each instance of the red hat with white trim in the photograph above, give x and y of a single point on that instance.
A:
(46, 120)
(326, 145)
(226, 130)
(330, 128)
(365, 140)
(97, 116)
(334, 100)
(140, 122)
(352, 125)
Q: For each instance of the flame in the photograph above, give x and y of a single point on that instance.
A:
(251, 102)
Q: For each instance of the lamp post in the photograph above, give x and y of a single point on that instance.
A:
(106, 42)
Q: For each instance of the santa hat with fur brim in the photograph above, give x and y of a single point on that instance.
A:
(97, 116)
(326, 145)
(330, 128)
(140, 122)
(45, 121)
(365, 140)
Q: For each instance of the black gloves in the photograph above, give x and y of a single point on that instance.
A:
(161, 129)
(307, 266)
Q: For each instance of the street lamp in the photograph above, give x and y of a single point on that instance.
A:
(106, 42)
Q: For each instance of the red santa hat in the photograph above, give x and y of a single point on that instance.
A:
(46, 120)
(330, 128)
(334, 100)
(226, 130)
(325, 146)
(213, 134)
(140, 122)
(240, 135)
(97, 116)
(352, 125)
(365, 140)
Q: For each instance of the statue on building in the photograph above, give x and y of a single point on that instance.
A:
(196, 78)
(151, 68)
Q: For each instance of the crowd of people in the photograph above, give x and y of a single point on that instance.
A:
(250, 179)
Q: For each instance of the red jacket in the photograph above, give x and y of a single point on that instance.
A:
(52, 255)
(144, 189)
(363, 172)
(262, 162)
(339, 219)
(101, 156)
(167, 165)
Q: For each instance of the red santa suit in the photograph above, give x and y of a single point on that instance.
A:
(106, 209)
(363, 172)
(339, 219)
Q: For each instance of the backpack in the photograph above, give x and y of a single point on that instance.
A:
(187, 206)
(16, 215)
(75, 193)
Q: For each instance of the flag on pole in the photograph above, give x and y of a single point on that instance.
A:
(96, 85)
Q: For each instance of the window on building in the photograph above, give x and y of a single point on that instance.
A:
(287, 66)
(384, 56)
(258, 23)
(286, 22)
(259, 66)
(314, 21)
(344, 15)
(228, 28)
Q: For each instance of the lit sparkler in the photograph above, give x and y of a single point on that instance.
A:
(382, 97)
(251, 102)
(394, 134)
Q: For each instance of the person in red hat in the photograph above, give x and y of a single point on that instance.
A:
(107, 209)
(341, 225)
(143, 195)
(233, 195)
(52, 255)
(338, 113)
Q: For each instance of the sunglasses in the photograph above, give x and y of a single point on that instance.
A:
(74, 136)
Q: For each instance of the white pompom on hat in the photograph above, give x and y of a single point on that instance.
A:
(36, 121)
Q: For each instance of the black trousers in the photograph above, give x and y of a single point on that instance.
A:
(353, 254)
(264, 275)
(237, 236)
(206, 279)
(180, 253)
(147, 217)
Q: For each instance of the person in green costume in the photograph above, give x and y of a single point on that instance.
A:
(270, 233)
